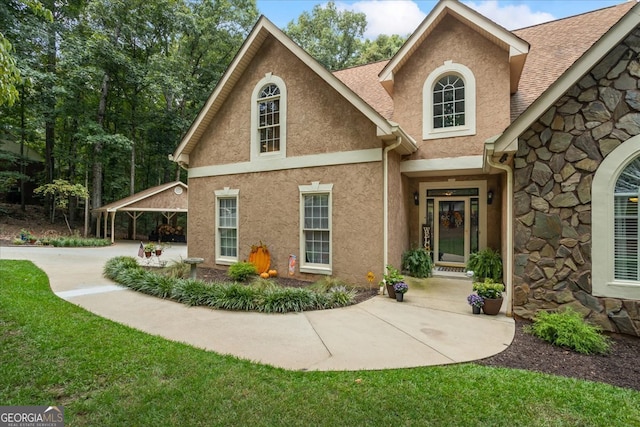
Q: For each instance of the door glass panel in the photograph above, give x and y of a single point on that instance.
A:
(451, 231)
(474, 229)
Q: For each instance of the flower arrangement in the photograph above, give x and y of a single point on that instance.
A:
(400, 287)
(475, 300)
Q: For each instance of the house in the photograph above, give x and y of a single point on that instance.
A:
(471, 136)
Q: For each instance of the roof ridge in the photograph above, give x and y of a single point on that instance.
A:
(361, 65)
(625, 2)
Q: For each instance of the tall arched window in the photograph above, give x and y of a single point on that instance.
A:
(615, 223)
(449, 102)
(269, 119)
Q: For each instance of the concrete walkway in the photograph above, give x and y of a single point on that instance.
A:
(433, 326)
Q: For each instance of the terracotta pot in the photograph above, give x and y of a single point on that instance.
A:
(492, 306)
(158, 252)
(147, 254)
(391, 291)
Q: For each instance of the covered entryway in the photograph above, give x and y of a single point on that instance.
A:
(454, 220)
(167, 199)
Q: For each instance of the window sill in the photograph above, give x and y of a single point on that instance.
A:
(226, 261)
(316, 269)
(627, 289)
(448, 132)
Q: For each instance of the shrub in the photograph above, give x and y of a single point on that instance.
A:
(488, 289)
(568, 329)
(190, 292)
(486, 263)
(340, 296)
(393, 276)
(417, 262)
(326, 284)
(240, 271)
(177, 270)
(117, 265)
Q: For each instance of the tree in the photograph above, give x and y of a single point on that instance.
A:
(60, 191)
(383, 47)
(330, 36)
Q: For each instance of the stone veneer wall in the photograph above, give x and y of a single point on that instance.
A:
(553, 170)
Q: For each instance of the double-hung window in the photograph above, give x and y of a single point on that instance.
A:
(626, 219)
(315, 233)
(226, 226)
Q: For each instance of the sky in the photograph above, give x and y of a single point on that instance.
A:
(404, 16)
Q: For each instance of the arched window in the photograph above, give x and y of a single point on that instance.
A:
(616, 223)
(269, 119)
(449, 102)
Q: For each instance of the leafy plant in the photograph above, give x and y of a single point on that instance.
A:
(568, 329)
(393, 276)
(417, 262)
(488, 289)
(486, 263)
(241, 271)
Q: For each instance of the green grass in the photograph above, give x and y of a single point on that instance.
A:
(104, 373)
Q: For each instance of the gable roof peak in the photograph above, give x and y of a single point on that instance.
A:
(517, 47)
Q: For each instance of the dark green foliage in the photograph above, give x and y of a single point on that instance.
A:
(393, 276)
(76, 242)
(486, 263)
(568, 329)
(417, 262)
(488, 289)
(241, 271)
(261, 295)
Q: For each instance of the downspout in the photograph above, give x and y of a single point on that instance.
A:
(385, 195)
(509, 263)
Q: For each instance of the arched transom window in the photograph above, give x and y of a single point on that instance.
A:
(626, 220)
(269, 118)
(448, 102)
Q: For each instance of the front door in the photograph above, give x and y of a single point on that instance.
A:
(452, 229)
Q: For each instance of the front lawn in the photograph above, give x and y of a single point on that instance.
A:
(103, 373)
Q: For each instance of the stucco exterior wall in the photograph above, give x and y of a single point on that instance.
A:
(269, 211)
(398, 212)
(319, 120)
(554, 169)
(452, 40)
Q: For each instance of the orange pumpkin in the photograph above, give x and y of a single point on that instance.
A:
(273, 273)
(264, 275)
(260, 257)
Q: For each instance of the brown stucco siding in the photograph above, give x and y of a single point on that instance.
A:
(555, 164)
(319, 119)
(452, 40)
(398, 212)
(269, 211)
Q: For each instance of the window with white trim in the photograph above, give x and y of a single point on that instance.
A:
(269, 118)
(226, 226)
(315, 228)
(449, 99)
(615, 223)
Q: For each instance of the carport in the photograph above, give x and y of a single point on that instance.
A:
(167, 199)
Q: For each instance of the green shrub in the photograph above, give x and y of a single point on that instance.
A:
(283, 300)
(115, 266)
(190, 292)
(240, 271)
(177, 270)
(393, 276)
(568, 329)
(340, 296)
(486, 263)
(488, 289)
(236, 296)
(417, 262)
(75, 242)
(326, 283)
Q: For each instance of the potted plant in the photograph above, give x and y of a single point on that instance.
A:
(417, 262)
(491, 293)
(476, 302)
(400, 289)
(392, 277)
(486, 263)
(148, 249)
(158, 248)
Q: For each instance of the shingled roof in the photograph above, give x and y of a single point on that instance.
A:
(555, 46)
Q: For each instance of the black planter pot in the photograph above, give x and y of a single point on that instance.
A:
(399, 297)
(476, 310)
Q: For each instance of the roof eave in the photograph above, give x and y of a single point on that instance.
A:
(617, 33)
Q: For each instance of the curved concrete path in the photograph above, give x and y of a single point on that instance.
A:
(433, 326)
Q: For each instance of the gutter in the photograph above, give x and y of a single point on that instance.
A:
(385, 194)
(509, 250)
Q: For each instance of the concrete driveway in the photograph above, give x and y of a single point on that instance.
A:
(433, 326)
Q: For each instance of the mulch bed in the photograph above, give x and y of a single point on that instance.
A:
(621, 367)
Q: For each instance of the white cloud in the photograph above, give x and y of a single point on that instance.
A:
(388, 17)
(510, 16)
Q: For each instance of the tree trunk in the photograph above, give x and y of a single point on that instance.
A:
(50, 102)
(96, 200)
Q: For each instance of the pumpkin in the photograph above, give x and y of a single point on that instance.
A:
(264, 275)
(260, 257)
(273, 273)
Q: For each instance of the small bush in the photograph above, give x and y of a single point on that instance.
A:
(486, 264)
(326, 283)
(177, 270)
(417, 262)
(76, 242)
(191, 292)
(568, 329)
(240, 271)
(340, 296)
